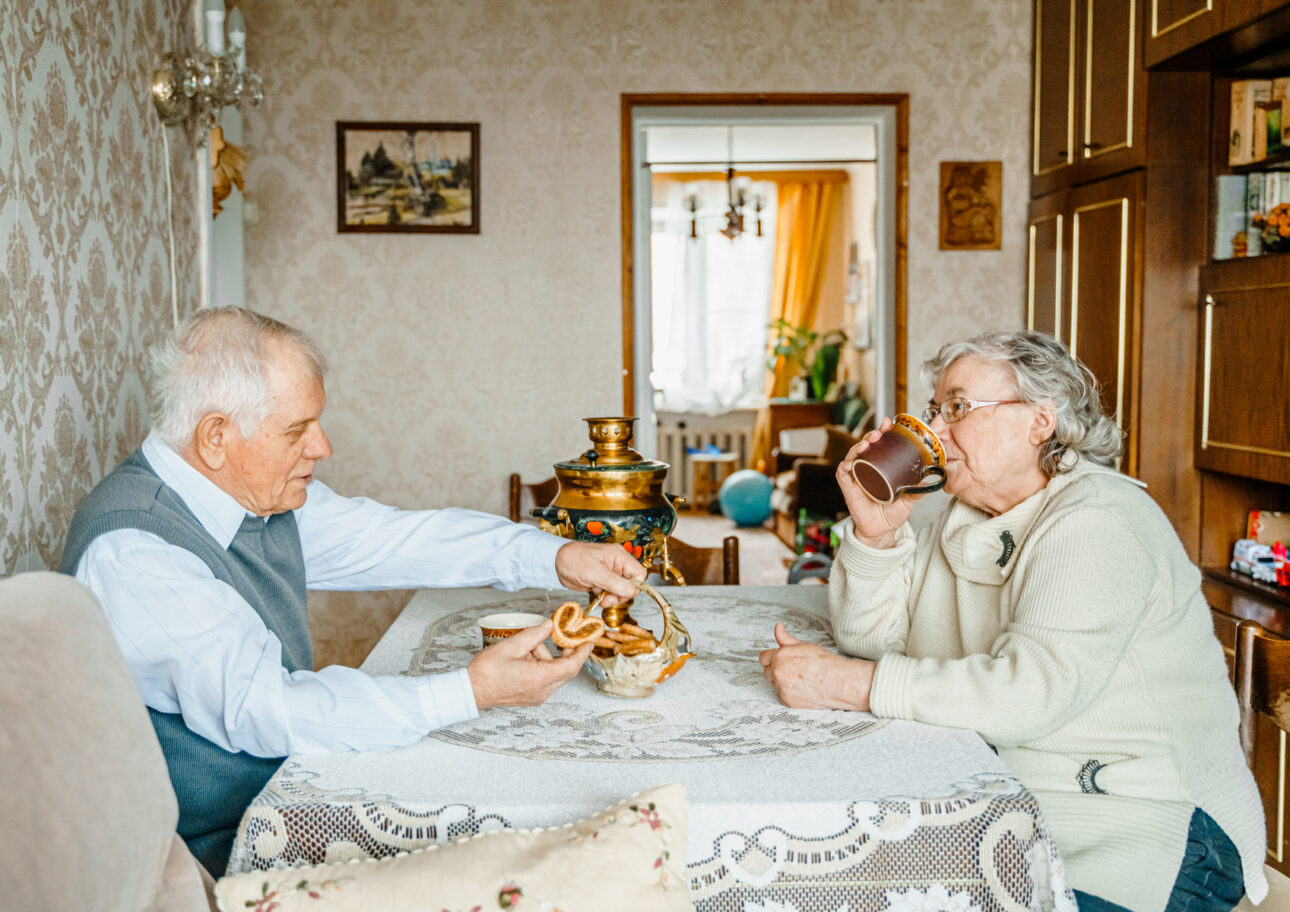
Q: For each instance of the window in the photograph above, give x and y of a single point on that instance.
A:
(711, 296)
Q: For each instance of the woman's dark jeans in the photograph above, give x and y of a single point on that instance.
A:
(1210, 879)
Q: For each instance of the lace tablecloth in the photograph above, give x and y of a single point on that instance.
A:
(789, 809)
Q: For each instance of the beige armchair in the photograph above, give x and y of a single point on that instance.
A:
(87, 811)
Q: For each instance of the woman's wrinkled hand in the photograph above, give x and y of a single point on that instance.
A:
(807, 676)
(874, 524)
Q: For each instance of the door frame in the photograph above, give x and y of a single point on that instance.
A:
(899, 105)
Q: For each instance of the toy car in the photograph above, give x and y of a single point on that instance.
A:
(1253, 559)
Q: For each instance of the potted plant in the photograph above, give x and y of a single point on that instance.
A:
(811, 356)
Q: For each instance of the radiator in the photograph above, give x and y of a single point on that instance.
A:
(731, 432)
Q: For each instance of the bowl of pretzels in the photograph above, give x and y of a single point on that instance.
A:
(628, 660)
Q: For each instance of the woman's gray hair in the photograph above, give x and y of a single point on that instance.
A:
(215, 362)
(1045, 371)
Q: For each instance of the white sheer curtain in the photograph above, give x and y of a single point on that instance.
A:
(711, 300)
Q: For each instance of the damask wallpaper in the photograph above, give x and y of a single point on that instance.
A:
(84, 275)
(458, 359)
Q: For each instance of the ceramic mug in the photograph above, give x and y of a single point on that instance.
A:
(907, 459)
(493, 628)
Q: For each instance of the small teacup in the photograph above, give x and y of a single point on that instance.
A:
(907, 459)
(493, 628)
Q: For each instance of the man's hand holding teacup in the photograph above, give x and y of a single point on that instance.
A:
(519, 671)
(807, 676)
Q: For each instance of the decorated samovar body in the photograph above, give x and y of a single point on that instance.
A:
(611, 493)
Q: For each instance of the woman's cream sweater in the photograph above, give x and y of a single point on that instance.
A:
(1084, 653)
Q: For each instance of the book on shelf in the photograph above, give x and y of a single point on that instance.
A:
(1246, 95)
(1230, 216)
(1281, 95)
(1267, 129)
(1254, 188)
(1260, 98)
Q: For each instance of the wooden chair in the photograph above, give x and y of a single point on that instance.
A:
(523, 496)
(706, 566)
(1263, 693)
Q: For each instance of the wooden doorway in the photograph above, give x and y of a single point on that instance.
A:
(895, 106)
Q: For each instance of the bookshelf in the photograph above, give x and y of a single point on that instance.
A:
(1277, 161)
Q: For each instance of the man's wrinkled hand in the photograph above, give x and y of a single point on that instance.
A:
(599, 567)
(519, 671)
(807, 676)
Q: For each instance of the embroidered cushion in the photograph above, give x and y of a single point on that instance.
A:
(630, 857)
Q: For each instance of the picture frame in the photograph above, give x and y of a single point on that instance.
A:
(971, 195)
(406, 177)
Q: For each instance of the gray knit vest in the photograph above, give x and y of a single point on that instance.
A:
(266, 566)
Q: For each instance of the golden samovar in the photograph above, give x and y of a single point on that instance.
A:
(611, 493)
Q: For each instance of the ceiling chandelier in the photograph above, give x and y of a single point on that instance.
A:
(738, 199)
(736, 203)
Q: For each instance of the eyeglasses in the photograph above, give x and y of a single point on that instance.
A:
(956, 409)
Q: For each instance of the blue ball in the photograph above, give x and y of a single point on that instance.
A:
(745, 497)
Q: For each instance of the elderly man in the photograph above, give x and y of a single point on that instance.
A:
(201, 544)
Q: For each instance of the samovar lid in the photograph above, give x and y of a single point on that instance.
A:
(611, 449)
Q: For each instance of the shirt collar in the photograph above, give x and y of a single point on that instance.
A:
(219, 514)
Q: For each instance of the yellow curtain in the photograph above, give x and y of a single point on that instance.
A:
(804, 221)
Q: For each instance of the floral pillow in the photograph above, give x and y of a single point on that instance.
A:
(629, 857)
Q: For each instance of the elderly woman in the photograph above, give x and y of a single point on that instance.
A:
(1051, 608)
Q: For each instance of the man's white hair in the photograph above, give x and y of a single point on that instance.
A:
(215, 362)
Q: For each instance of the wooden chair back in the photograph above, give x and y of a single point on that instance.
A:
(1263, 694)
(524, 496)
(705, 566)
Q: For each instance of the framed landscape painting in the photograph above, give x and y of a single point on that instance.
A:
(395, 177)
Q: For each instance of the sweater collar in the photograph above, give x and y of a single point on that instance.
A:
(982, 548)
(220, 515)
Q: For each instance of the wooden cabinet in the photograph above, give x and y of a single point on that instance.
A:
(1176, 25)
(1193, 356)
(1243, 408)
(1208, 34)
(1113, 269)
(1225, 631)
(1104, 292)
(1089, 87)
(1232, 599)
(1085, 281)
(1048, 280)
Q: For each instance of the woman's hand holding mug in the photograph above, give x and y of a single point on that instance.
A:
(875, 523)
(881, 489)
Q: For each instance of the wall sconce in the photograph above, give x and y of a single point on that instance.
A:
(198, 84)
